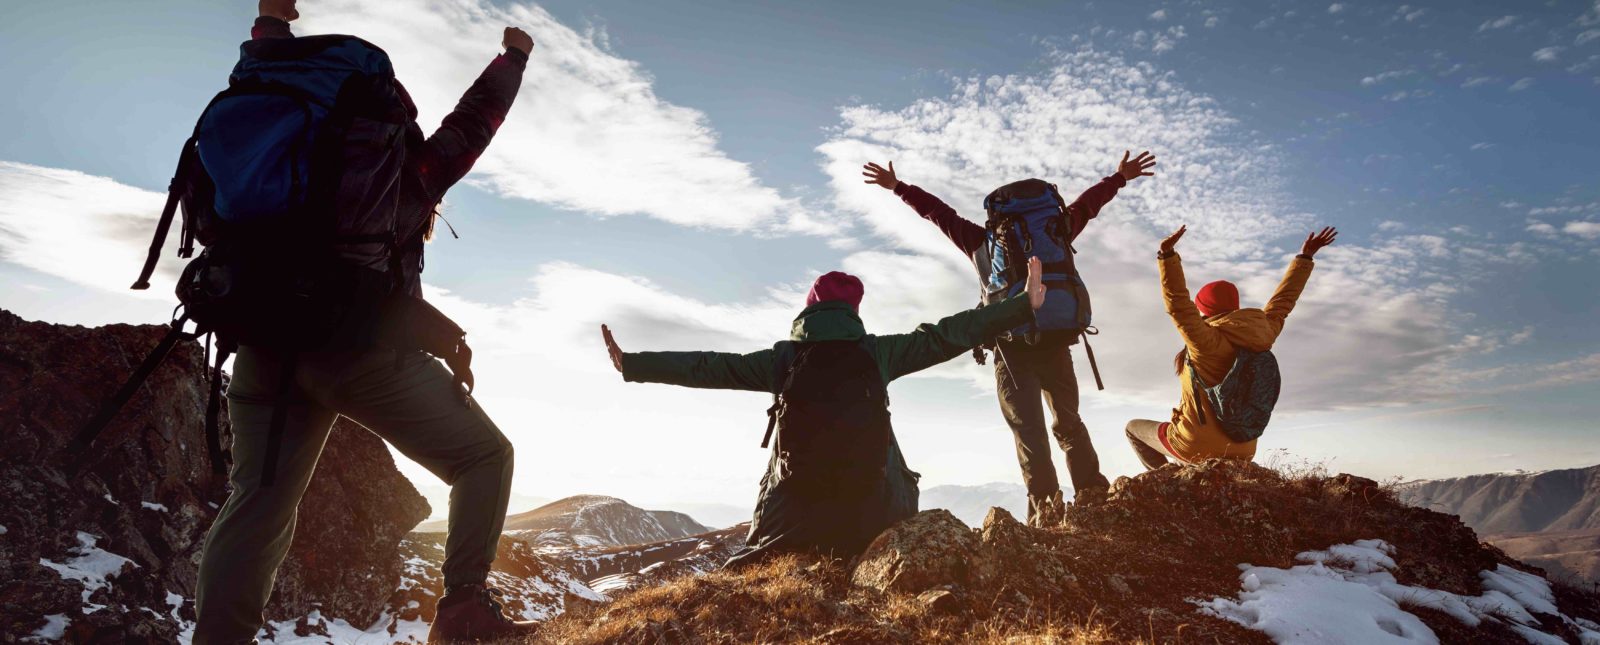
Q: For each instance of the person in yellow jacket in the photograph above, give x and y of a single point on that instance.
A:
(1213, 328)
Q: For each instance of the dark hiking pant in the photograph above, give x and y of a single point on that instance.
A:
(1145, 435)
(409, 401)
(1024, 373)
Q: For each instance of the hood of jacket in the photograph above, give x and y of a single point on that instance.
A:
(1245, 328)
(827, 320)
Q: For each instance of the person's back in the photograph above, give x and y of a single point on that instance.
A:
(1215, 330)
(836, 477)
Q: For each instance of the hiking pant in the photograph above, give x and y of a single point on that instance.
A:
(1149, 444)
(1023, 373)
(409, 400)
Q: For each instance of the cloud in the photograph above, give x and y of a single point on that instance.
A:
(1387, 76)
(1482, 145)
(1386, 302)
(1159, 15)
(1477, 81)
(1335, 8)
(1548, 54)
(1211, 22)
(1583, 229)
(90, 230)
(1521, 84)
(1586, 36)
(1497, 23)
(588, 131)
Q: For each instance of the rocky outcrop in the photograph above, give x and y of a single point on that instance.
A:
(597, 520)
(110, 555)
(926, 550)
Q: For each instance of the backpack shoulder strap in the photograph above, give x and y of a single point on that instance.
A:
(783, 360)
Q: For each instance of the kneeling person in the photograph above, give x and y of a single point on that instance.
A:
(836, 478)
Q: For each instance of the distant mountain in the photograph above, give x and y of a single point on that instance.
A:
(971, 503)
(1553, 500)
(439, 499)
(711, 513)
(1550, 519)
(597, 520)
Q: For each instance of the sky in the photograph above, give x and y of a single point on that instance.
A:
(682, 171)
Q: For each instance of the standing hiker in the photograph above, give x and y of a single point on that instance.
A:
(284, 397)
(836, 478)
(1226, 368)
(1029, 218)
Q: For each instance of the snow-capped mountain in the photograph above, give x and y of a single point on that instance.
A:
(971, 504)
(599, 521)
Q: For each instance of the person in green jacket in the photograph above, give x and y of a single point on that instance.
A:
(800, 510)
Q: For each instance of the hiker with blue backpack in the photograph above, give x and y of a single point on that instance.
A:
(1226, 369)
(836, 477)
(311, 189)
(1029, 219)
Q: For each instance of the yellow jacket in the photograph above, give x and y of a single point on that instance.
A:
(1211, 344)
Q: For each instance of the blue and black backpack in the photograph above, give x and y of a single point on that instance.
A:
(1029, 219)
(291, 182)
(1244, 400)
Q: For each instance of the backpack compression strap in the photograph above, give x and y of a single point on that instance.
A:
(783, 372)
(174, 193)
(219, 457)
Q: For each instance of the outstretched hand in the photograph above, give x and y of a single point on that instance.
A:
(611, 348)
(281, 9)
(879, 175)
(517, 39)
(1137, 167)
(1035, 284)
(1170, 244)
(1315, 241)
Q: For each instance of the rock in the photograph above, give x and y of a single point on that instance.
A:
(927, 550)
(147, 494)
(1347, 487)
(940, 601)
(1012, 556)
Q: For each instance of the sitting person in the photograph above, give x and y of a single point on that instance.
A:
(836, 478)
(1214, 331)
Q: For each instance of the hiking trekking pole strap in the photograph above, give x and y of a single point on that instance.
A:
(103, 417)
(174, 194)
(1093, 366)
(219, 457)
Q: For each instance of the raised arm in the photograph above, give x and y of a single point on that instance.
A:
(1295, 277)
(1197, 335)
(930, 345)
(446, 156)
(710, 370)
(1088, 204)
(966, 235)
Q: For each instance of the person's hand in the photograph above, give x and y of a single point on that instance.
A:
(1315, 241)
(879, 175)
(281, 9)
(1170, 245)
(1035, 284)
(611, 348)
(517, 39)
(1137, 167)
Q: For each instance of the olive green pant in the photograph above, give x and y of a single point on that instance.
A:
(409, 400)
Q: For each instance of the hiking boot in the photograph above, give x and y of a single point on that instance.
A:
(1046, 511)
(471, 613)
(1091, 496)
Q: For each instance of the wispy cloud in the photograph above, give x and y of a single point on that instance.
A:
(1583, 229)
(1548, 54)
(1497, 23)
(1521, 84)
(1335, 7)
(1158, 15)
(1390, 75)
(1477, 81)
(588, 131)
(1481, 145)
(91, 230)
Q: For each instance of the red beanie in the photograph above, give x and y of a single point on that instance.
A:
(834, 285)
(1219, 297)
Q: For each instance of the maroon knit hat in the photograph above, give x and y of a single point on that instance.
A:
(835, 285)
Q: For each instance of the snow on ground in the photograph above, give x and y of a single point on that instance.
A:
(2, 529)
(55, 626)
(153, 506)
(1348, 594)
(91, 567)
(339, 631)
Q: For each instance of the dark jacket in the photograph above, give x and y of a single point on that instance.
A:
(784, 520)
(969, 237)
(436, 162)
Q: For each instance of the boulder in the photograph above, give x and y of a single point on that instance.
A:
(112, 552)
(927, 550)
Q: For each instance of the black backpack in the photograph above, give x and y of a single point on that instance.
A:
(831, 416)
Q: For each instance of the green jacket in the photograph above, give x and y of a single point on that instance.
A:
(897, 355)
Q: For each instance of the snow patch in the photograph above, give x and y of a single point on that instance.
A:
(113, 502)
(91, 567)
(340, 631)
(55, 626)
(2, 529)
(1348, 594)
(153, 507)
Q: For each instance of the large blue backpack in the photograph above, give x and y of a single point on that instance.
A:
(1029, 219)
(1244, 400)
